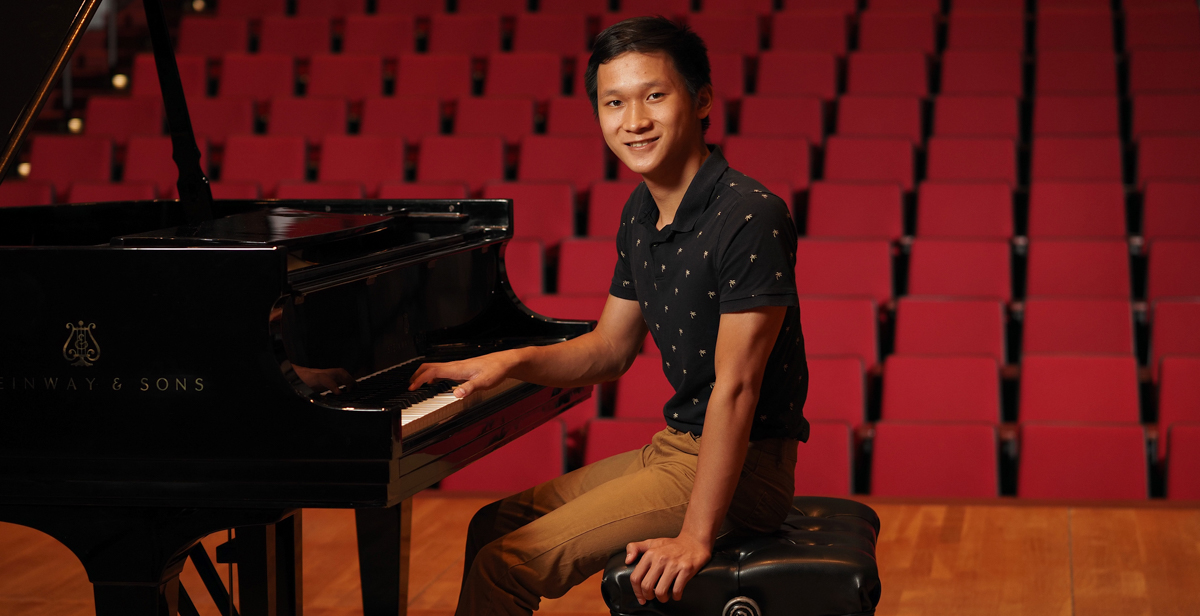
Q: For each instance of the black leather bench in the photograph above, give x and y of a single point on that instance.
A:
(821, 562)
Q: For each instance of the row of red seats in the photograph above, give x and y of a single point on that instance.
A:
(822, 30)
(913, 459)
(777, 73)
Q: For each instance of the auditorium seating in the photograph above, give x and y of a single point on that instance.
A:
(605, 206)
(148, 159)
(972, 159)
(438, 75)
(536, 457)
(1169, 158)
(213, 36)
(573, 307)
(193, 75)
(329, 8)
(977, 269)
(586, 265)
(608, 437)
(1074, 29)
(888, 72)
(119, 118)
(1069, 71)
(477, 34)
(1079, 268)
(348, 75)
(1164, 71)
(1082, 461)
(728, 75)
(1161, 27)
(532, 74)
(800, 117)
(836, 389)
(965, 210)
(944, 388)
(943, 327)
(1179, 386)
(976, 116)
(1085, 115)
(1077, 210)
(799, 73)
(1060, 325)
(975, 73)
(935, 460)
(571, 116)
(422, 8)
(368, 159)
(509, 118)
(897, 30)
(1172, 270)
(864, 159)
(550, 33)
(94, 191)
(14, 193)
(810, 30)
(236, 189)
(296, 189)
(474, 160)
(727, 33)
(845, 268)
(878, 116)
(264, 159)
(1165, 114)
(542, 211)
(258, 76)
(578, 160)
(1174, 330)
(523, 262)
(840, 327)
(1089, 388)
(1076, 158)
(252, 8)
(311, 118)
(215, 119)
(507, 7)
(408, 118)
(825, 464)
(872, 211)
(985, 30)
(643, 389)
(770, 159)
(294, 36)
(64, 159)
(1183, 478)
(383, 35)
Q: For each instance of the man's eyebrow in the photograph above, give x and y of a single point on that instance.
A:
(646, 85)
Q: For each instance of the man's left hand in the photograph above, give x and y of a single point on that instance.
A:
(666, 566)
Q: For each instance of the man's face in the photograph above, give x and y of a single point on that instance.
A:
(646, 114)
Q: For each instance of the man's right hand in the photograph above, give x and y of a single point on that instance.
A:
(476, 374)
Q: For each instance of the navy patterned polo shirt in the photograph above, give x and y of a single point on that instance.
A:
(731, 247)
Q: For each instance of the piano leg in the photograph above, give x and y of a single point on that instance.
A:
(384, 536)
(270, 563)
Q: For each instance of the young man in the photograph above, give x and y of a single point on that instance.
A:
(706, 262)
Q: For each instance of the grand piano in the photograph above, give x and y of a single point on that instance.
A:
(150, 351)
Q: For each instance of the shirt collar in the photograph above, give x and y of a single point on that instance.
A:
(695, 200)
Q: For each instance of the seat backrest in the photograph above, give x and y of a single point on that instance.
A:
(845, 268)
(63, 159)
(840, 328)
(348, 75)
(264, 159)
(1079, 115)
(836, 389)
(586, 265)
(370, 159)
(897, 30)
(121, 117)
(1168, 26)
(965, 210)
(1179, 388)
(1164, 70)
(1183, 479)
(1075, 29)
(771, 159)
(509, 118)
(423, 190)
(964, 115)
(1077, 158)
(311, 118)
(440, 75)
(1079, 268)
(217, 118)
(727, 33)
(643, 390)
(880, 116)
(607, 200)
(523, 264)
(935, 460)
(295, 36)
(782, 116)
(96, 192)
(213, 36)
(1070, 71)
(15, 193)
(962, 269)
(1077, 210)
(945, 327)
(571, 116)
(1082, 461)
(148, 159)
(578, 160)
(562, 34)
(1093, 388)
(534, 458)
(920, 388)
(384, 35)
(193, 74)
(990, 72)
(542, 211)
(258, 76)
(825, 463)
(972, 159)
(986, 30)
(1175, 330)
(797, 73)
(477, 34)
(1063, 325)
(810, 30)
(1165, 114)
(474, 160)
(846, 210)
(864, 159)
(1175, 157)
(608, 437)
(533, 74)
(1172, 271)
(299, 189)
(888, 72)
(408, 118)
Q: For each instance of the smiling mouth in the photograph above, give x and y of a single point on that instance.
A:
(642, 143)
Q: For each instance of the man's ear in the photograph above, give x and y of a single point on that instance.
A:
(704, 102)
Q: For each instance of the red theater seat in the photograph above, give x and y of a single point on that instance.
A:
(643, 389)
(974, 73)
(794, 117)
(960, 269)
(523, 264)
(768, 159)
(295, 189)
(14, 193)
(352, 76)
(1183, 478)
(1171, 210)
(990, 5)
(836, 390)
(441, 75)
(573, 307)
(241, 189)
(1079, 268)
(64, 159)
(258, 76)
(977, 116)
(1076, 158)
(935, 460)
(295, 36)
(907, 30)
(409, 7)
(1173, 26)
(474, 160)
(845, 6)
(579, 160)
(213, 36)
(927, 6)
(825, 464)
(533, 74)
(510, 118)
(536, 457)
(1179, 386)
(818, 30)
(1164, 71)
(1075, 29)
(1165, 114)
(426, 190)
(609, 437)
(217, 118)
(938, 327)
(605, 206)
(986, 30)
(252, 8)
(368, 159)
(879, 116)
(542, 211)
(330, 8)
(657, 7)
(904, 73)
(1169, 158)
(1076, 115)
(845, 268)
(506, 7)
(383, 35)
(840, 328)
(560, 34)
(727, 33)
(1077, 210)
(862, 159)
(263, 159)
(148, 159)
(1062, 71)
(797, 73)
(476, 34)
(855, 210)
(1172, 271)
(759, 7)
(408, 118)
(1082, 462)
(1175, 330)
(586, 265)
(728, 75)
(972, 159)
(965, 210)
(193, 73)
(965, 389)
(1093, 388)
(96, 192)
(311, 118)
(1102, 326)
(120, 118)
(571, 117)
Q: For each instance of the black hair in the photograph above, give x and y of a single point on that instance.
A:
(647, 35)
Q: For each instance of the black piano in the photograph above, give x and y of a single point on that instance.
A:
(149, 352)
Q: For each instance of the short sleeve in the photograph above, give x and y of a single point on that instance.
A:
(757, 255)
(622, 281)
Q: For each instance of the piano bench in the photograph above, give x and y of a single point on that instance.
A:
(821, 562)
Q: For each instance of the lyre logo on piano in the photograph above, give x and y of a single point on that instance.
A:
(81, 348)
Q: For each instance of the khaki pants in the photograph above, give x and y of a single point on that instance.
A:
(541, 542)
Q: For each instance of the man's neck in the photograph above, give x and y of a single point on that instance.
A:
(669, 186)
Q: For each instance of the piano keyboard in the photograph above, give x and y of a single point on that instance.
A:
(421, 408)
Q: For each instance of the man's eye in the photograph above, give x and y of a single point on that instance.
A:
(612, 103)
(656, 95)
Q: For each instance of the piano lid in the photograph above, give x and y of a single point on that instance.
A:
(36, 40)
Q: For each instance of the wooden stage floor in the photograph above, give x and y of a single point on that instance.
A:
(999, 557)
